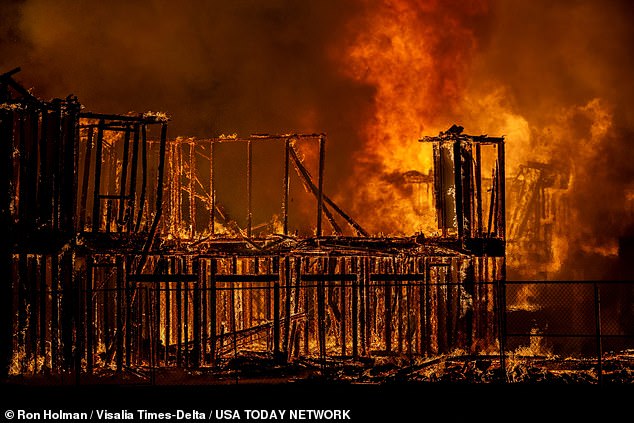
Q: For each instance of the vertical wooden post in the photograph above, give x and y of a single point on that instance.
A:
(388, 315)
(286, 187)
(6, 253)
(422, 300)
(143, 177)
(159, 199)
(155, 334)
(124, 180)
(267, 294)
(191, 189)
(55, 142)
(276, 310)
(185, 270)
(151, 342)
(484, 291)
(44, 184)
(295, 335)
(234, 270)
(79, 279)
(108, 214)
(133, 177)
(178, 188)
(409, 306)
(43, 264)
(492, 204)
(368, 305)
(68, 309)
(501, 194)
(195, 361)
(428, 309)
(478, 188)
(33, 309)
(362, 278)
(287, 302)
(25, 173)
(168, 313)
(139, 313)
(342, 269)
(458, 315)
(85, 179)
(212, 192)
(203, 297)
(457, 159)
(249, 186)
(119, 311)
(354, 269)
(90, 321)
(213, 266)
(34, 118)
(321, 311)
(128, 317)
(96, 206)
(468, 200)
(320, 182)
(441, 310)
(105, 315)
(70, 150)
(449, 304)
(22, 307)
(245, 295)
(398, 301)
(179, 322)
(54, 312)
(307, 308)
(502, 312)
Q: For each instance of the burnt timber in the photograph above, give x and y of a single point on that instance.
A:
(120, 255)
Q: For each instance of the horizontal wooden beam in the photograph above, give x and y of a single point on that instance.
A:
(246, 278)
(329, 277)
(397, 277)
(152, 278)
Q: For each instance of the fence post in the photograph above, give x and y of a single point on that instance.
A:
(597, 320)
(501, 294)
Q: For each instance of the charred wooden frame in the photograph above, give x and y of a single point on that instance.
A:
(107, 273)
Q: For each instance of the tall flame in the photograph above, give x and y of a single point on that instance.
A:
(420, 59)
(414, 54)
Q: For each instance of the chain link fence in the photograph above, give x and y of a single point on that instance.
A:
(569, 331)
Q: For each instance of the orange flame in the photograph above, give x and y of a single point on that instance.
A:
(418, 56)
(414, 55)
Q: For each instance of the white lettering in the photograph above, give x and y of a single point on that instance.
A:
(297, 415)
(64, 415)
(312, 414)
(28, 416)
(146, 415)
(194, 414)
(265, 414)
(227, 414)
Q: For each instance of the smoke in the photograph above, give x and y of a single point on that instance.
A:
(214, 66)
(552, 76)
(563, 67)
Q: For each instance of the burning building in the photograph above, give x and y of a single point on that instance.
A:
(125, 251)
(135, 249)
